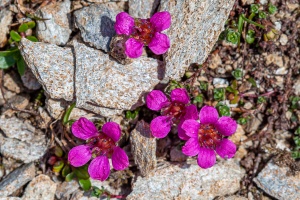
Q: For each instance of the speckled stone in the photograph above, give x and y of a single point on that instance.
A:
(143, 148)
(142, 8)
(57, 29)
(275, 181)
(5, 21)
(103, 82)
(104, 1)
(17, 179)
(53, 66)
(21, 139)
(195, 28)
(96, 24)
(65, 189)
(189, 181)
(41, 187)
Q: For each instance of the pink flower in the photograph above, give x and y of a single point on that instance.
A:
(100, 145)
(173, 111)
(144, 32)
(208, 136)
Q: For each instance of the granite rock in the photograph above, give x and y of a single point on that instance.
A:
(29, 80)
(5, 21)
(7, 96)
(189, 181)
(41, 187)
(142, 8)
(12, 82)
(96, 24)
(4, 3)
(103, 82)
(65, 189)
(53, 66)
(21, 139)
(57, 28)
(143, 148)
(17, 179)
(104, 1)
(195, 28)
(275, 182)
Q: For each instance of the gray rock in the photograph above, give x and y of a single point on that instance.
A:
(55, 107)
(275, 181)
(142, 8)
(176, 155)
(4, 3)
(20, 101)
(7, 95)
(233, 197)
(29, 80)
(5, 21)
(65, 189)
(96, 24)
(12, 82)
(57, 29)
(22, 139)
(41, 187)
(17, 179)
(104, 1)
(189, 181)
(195, 28)
(105, 83)
(53, 66)
(143, 148)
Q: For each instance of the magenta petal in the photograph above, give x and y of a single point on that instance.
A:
(161, 126)
(191, 112)
(161, 21)
(159, 44)
(181, 133)
(191, 147)
(99, 168)
(180, 95)
(226, 149)
(79, 155)
(206, 158)
(156, 100)
(124, 24)
(226, 126)
(208, 115)
(191, 128)
(112, 130)
(119, 159)
(133, 48)
(84, 129)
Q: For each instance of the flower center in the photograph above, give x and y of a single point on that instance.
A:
(209, 136)
(101, 145)
(176, 110)
(143, 31)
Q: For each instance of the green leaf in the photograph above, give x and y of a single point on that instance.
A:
(96, 192)
(66, 170)
(254, 8)
(272, 9)
(10, 51)
(252, 81)
(219, 94)
(70, 177)
(237, 73)
(15, 36)
(31, 24)
(232, 36)
(58, 151)
(242, 121)
(32, 38)
(250, 36)
(223, 110)
(58, 166)
(67, 114)
(23, 28)
(85, 184)
(262, 14)
(6, 62)
(21, 66)
(81, 172)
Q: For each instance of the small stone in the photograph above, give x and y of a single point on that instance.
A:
(65, 189)
(104, 1)
(22, 139)
(45, 118)
(215, 61)
(117, 49)
(274, 59)
(253, 124)
(220, 83)
(275, 181)
(142, 8)
(176, 155)
(96, 24)
(263, 2)
(12, 82)
(292, 6)
(5, 21)
(56, 29)
(41, 187)
(7, 95)
(283, 39)
(29, 80)
(105, 83)
(296, 86)
(55, 107)
(188, 181)
(19, 101)
(4, 3)
(17, 179)
(143, 148)
(195, 28)
(281, 71)
(53, 66)
(277, 26)
(248, 105)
